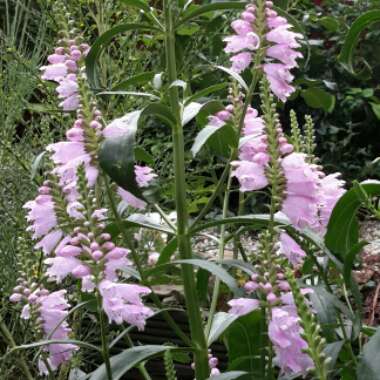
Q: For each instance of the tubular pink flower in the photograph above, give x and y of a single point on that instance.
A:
(53, 308)
(122, 303)
(42, 215)
(279, 78)
(284, 332)
(243, 306)
(251, 175)
(293, 252)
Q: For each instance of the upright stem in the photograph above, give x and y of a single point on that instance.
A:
(9, 338)
(103, 335)
(171, 322)
(226, 200)
(184, 244)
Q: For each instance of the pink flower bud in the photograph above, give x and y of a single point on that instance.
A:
(95, 124)
(271, 298)
(108, 245)
(81, 271)
(94, 246)
(15, 297)
(213, 362)
(97, 255)
(44, 190)
(153, 258)
(59, 50)
(267, 287)
(71, 65)
(32, 298)
(250, 286)
(69, 251)
(248, 16)
(215, 372)
(105, 236)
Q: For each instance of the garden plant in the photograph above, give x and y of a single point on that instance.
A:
(120, 194)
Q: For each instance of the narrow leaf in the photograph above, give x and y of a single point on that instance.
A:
(220, 323)
(346, 55)
(230, 375)
(102, 42)
(214, 269)
(123, 362)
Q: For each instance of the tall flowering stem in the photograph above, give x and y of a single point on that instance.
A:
(311, 329)
(184, 245)
(239, 122)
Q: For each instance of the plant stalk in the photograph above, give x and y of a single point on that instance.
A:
(103, 335)
(184, 245)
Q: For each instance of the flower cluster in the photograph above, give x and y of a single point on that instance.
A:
(48, 312)
(63, 68)
(275, 37)
(284, 328)
(309, 195)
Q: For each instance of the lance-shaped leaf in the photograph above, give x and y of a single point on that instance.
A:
(195, 12)
(134, 80)
(369, 364)
(126, 360)
(343, 228)
(346, 55)
(230, 375)
(102, 42)
(215, 269)
(117, 152)
(220, 323)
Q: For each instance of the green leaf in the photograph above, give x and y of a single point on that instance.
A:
(139, 220)
(318, 98)
(346, 55)
(330, 23)
(126, 360)
(133, 93)
(102, 42)
(167, 252)
(246, 342)
(36, 165)
(206, 91)
(323, 304)
(117, 155)
(242, 265)
(142, 155)
(195, 12)
(190, 111)
(134, 80)
(223, 134)
(234, 75)
(343, 230)
(188, 30)
(214, 269)
(140, 4)
(160, 111)
(230, 375)
(349, 261)
(220, 323)
(332, 351)
(369, 364)
(376, 109)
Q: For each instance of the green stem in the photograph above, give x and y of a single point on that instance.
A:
(9, 338)
(103, 335)
(170, 321)
(184, 246)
